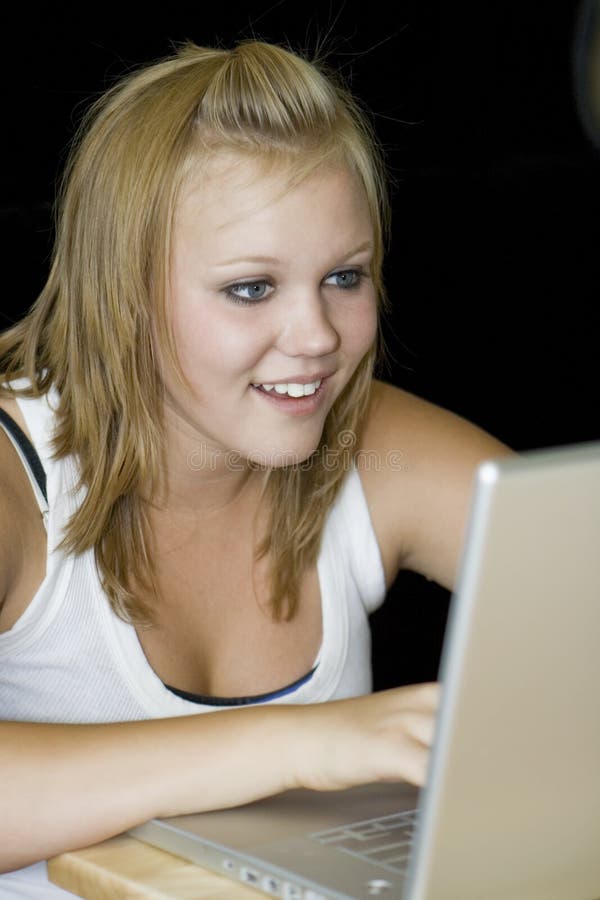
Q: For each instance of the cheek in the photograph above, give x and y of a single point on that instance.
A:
(361, 328)
(372, 323)
(209, 338)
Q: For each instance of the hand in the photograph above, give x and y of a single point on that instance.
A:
(384, 736)
(103, 779)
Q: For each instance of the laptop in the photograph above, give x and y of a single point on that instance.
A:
(511, 806)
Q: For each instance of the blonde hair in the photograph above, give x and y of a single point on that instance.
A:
(90, 333)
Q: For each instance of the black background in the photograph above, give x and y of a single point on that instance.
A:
(493, 265)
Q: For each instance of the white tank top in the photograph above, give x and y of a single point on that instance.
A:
(69, 658)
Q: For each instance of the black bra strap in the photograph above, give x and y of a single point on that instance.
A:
(28, 450)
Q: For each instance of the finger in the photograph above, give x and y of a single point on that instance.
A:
(420, 726)
(415, 765)
(428, 694)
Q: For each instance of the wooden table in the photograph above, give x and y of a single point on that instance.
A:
(124, 868)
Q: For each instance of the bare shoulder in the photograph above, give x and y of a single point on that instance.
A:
(20, 523)
(11, 514)
(416, 463)
(401, 421)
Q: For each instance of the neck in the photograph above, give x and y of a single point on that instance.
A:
(198, 477)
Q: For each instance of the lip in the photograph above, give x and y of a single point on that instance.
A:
(295, 379)
(295, 406)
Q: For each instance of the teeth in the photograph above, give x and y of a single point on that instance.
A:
(292, 389)
(311, 387)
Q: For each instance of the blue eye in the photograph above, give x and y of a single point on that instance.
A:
(247, 292)
(346, 279)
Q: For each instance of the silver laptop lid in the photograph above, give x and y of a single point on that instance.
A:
(512, 806)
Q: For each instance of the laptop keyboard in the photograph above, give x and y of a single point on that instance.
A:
(386, 841)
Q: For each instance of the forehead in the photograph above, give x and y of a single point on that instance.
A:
(230, 190)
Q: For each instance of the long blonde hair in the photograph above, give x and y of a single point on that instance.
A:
(91, 332)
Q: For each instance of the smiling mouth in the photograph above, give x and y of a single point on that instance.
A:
(290, 389)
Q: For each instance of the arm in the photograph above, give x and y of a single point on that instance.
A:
(68, 786)
(420, 494)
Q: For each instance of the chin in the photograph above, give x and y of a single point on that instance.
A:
(275, 458)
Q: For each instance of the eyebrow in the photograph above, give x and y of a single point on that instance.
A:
(273, 261)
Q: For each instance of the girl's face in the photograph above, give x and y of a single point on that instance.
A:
(272, 307)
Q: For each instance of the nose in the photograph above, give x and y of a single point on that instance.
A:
(308, 329)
